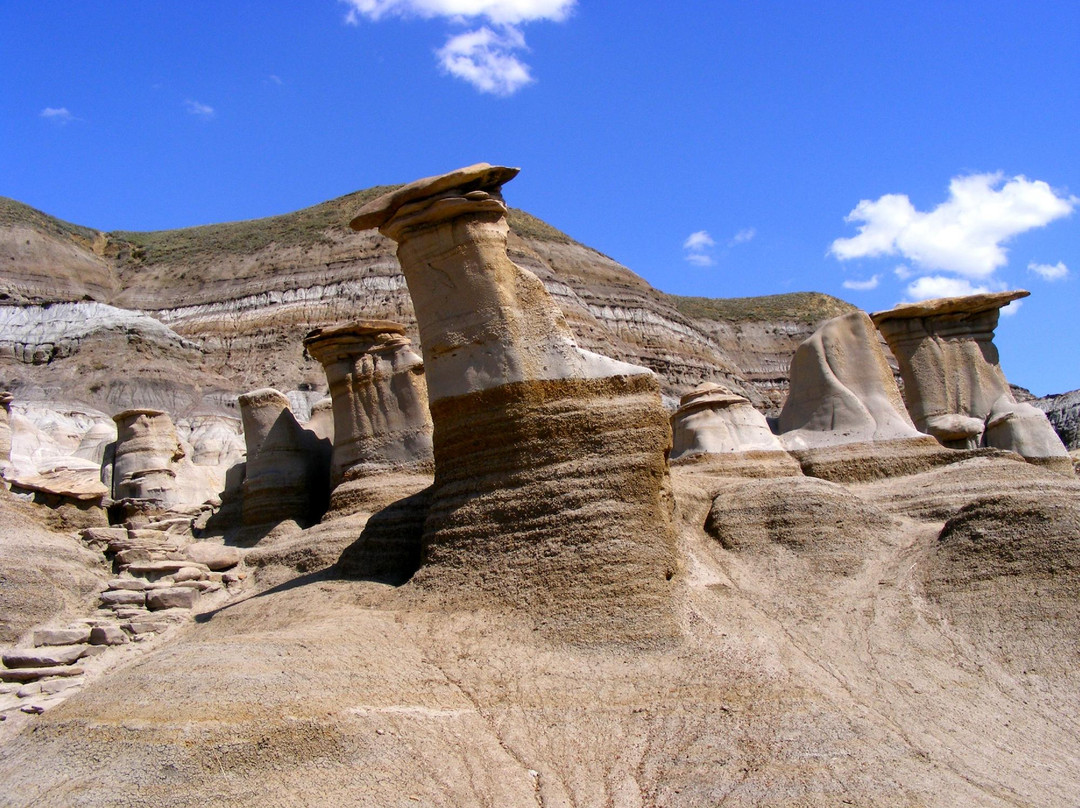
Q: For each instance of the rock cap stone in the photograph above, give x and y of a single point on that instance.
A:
(968, 304)
(362, 328)
(477, 177)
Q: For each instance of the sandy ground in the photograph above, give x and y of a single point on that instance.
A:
(844, 656)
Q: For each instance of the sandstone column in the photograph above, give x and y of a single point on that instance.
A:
(953, 382)
(381, 419)
(551, 491)
(147, 448)
(285, 478)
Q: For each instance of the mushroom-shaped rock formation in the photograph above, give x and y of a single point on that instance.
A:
(842, 397)
(381, 419)
(953, 382)
(147, 449)
(713, 421)
(286, 474)
(551, 490)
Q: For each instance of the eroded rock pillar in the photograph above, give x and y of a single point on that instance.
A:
(953, 382)
(381, 418)
(147, 450)
(286, 471)
(551, 491)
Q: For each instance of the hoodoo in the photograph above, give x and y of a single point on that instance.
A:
(376, 379)
(954, 385)
(551, 490)
(285, 478)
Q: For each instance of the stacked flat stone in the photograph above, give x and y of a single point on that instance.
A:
(551, 486)
(953, 382)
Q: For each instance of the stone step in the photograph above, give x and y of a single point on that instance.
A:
(133, 584)
(43, 657)
(180, 597)
(157, 568)
(123, 597)
(61, 636)
(147, 627)
(33, 674)
(108, 635)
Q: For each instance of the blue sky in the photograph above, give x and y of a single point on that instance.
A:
(716, 148)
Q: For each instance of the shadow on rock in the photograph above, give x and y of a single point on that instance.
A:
(389, 548)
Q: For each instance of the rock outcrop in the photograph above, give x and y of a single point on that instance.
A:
(842, 389)
(1063, 412)
(844, 417)
(724, 431)
(152, 464)
(287, 470)
(953, 383)
(551, 490)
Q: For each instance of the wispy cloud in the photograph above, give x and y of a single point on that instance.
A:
(198, 109)
(486, 56)
(58, 115)
(272, 79)
(965, 234)
(1050, 272)
(697, 245)
(742, 236)
(862, 286)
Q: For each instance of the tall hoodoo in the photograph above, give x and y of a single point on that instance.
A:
(953, 383)
(551, 488)
(381, 418)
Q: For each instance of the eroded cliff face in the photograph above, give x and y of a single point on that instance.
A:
(235, 299)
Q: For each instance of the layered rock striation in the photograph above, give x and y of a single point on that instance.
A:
(551, 490)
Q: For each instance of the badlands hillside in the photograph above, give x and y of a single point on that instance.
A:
(305, 515)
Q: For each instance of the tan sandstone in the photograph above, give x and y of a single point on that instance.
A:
(551, 491)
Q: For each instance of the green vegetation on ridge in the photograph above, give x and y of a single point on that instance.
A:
(796, 307)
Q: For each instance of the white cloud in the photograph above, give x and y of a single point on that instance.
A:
(902, 272)
(58, 115)
(199, 110)
(697, 245)
(862, 286)
(499, 12)
(742, 236)
(485, 56)
(698, 240)
(933, 286)
(699, 259)
(485, 59)
(965, 234)
(1050, 272)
